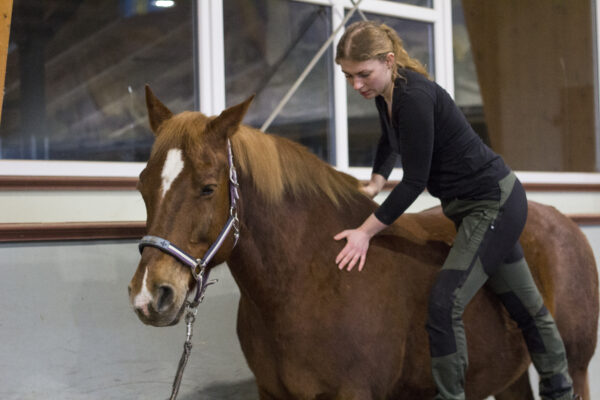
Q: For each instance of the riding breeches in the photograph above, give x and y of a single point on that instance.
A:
(486, 249)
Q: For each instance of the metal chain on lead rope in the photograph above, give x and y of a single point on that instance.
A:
(190, 317)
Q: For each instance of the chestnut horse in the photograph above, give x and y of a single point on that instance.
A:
(307, 329)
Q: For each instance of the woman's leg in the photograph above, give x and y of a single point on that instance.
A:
(487, 237)
(514, 285)
(462, 275)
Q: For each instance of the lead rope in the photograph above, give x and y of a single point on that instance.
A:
(190, 317)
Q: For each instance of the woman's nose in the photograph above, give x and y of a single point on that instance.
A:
(357, 84)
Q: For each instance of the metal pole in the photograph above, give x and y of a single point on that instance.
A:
(362, 15)
(307, 70)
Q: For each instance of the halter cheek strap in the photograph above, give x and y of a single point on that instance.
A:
(198, 266)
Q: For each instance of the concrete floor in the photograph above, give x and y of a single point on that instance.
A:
(67, 330)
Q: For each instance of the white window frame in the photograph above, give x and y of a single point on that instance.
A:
(211, 89)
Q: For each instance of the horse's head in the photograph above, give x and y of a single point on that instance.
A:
(185, 187)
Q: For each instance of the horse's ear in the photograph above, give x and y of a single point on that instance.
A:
(226, 124)
(157, 111)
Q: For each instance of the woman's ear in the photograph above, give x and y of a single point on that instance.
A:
(390, 59)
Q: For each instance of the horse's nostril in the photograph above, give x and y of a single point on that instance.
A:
(165, 296)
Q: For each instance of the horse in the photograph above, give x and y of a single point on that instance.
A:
(307, 329)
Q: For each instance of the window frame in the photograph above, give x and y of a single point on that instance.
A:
(210, 88)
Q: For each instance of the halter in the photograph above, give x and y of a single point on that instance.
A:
(198, 266)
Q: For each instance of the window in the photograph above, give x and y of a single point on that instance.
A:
(420, 3)
(76, 73)
(75, 76)
(76, 70)
(274, 42)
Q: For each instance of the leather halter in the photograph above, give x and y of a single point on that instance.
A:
(198, 266)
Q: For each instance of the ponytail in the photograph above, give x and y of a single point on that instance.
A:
(403, 60)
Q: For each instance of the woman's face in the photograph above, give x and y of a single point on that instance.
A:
(370, 78)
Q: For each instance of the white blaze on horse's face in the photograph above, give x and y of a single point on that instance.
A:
(144, 297)
(171, 169)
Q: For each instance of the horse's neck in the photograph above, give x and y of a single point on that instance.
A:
(279, 244)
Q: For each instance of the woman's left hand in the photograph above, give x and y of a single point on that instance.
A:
(355, 250)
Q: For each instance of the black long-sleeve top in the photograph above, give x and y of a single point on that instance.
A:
(438, 148)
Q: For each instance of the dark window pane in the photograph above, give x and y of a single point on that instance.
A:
(273, 41)
(76, 72)
(420, 3)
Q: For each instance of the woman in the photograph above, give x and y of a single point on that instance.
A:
(479, 193)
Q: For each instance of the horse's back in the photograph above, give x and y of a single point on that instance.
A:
(563, 265)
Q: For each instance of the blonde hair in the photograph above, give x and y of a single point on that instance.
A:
(279, 166)
(367, 40)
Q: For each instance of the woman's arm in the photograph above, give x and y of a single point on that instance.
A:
(374, 186)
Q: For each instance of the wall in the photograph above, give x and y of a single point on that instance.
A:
(536, 71)
(67, 330)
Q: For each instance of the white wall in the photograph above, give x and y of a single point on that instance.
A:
(127, 205)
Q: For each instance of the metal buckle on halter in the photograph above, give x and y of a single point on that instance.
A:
(236, 224)
(198, 270)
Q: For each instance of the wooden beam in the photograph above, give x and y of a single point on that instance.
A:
(63, 231)
(5, 15)
(535, 67)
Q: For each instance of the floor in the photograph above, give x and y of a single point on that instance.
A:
(67, 331)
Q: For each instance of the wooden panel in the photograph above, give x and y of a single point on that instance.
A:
(535, 66)
(536, 187)
(66, 183)
(12, 233)
(586, 219)
(71, 231)
(5, 16)
(27, 183)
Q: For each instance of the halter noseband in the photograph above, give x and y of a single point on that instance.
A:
(198, 266)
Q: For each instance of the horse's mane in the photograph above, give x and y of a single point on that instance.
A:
(279, 166)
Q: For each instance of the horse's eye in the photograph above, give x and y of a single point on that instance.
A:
(208, 190)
